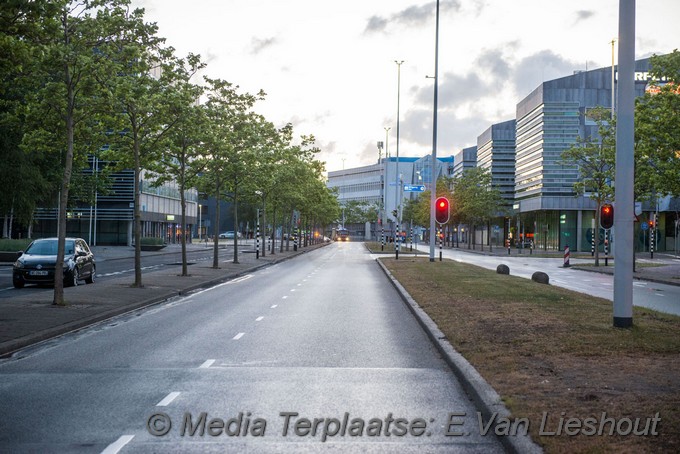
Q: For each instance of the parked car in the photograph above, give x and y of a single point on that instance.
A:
(36, 265)
(229, 235)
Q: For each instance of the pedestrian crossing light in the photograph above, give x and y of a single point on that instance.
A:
(606, 216)
(441, 209)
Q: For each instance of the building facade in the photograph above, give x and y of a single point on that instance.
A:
(109, 219)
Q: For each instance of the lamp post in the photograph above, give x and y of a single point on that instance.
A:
(396, 192)
(433, 190)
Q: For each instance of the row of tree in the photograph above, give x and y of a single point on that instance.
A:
(92, 77)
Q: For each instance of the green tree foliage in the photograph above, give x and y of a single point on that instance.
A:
(595, 158)
(475, 199)
(67, 113)
(657, 132)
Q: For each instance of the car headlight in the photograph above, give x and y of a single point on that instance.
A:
(19, 263)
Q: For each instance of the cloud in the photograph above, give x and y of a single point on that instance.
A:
(413, 16)
(495, 63)
(583, 15)
(257, 45)
(533, 70)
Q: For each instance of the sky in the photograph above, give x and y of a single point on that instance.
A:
(329, 67)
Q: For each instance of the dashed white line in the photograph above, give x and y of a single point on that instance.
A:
(259, 319)
(117, 445)
(292, 290)
(284, 297)
(274, 306)
(238, 336)
(299, 285)
(659, 294)
(207, 363)
(168, 399)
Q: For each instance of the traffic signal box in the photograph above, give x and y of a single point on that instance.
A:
(441, 209)
(606, 216)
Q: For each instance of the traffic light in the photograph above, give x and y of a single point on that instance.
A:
(606, 216)
(441, 210)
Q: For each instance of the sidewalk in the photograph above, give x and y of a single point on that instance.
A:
(664, 268)
(30, 317)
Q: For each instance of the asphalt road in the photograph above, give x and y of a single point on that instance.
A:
(322, 336)
(661, 297)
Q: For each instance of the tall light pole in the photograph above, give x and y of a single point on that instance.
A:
(613, 41)
(433, 190)
(624, 212)
(387, 140)
(396, 193)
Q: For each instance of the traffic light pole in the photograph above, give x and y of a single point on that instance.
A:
(433, 188)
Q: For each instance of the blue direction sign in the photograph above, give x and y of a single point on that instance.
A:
(414, 188)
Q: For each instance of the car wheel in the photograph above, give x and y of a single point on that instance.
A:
(74, 278)
(90, 280)
(18, 283)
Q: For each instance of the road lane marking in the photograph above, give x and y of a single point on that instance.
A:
(292, 290)
(274, 306)
(659, 294)
(207, 363)
(259, 319)
(284, 297)
(238, 336)
(240, 279)
(117, 445)
(168, 399)
(299, 285)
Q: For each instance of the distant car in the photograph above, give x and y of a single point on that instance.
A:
(229, 235)
(36, 265)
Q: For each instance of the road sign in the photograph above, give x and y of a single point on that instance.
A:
(644, 226)
(414, 188)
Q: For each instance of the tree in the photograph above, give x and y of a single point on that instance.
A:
(657, 131)
(475, 199)
(146, 74)
(67, 112)
(181, 160)
(595, 158)
(227, 136)
(26, 173)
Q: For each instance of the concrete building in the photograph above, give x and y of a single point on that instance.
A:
(377, 184)
(464, 159)
(109, 219)
(549, 121)
(496, 153)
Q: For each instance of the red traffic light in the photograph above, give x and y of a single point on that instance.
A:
(606, 216)
(441, 209)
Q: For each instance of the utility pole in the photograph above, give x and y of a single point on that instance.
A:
(624, 213)
(433, 189)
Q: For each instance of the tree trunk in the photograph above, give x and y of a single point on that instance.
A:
(236, 225)
(216, 240)
(58, 298)
(137, 210)
(183, 205)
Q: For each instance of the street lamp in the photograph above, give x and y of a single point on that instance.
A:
(396, 194)
(433, 191)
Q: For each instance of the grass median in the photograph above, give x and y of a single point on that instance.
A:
(553, 354)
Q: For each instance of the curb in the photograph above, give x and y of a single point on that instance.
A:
(9, 348)
(487, 400)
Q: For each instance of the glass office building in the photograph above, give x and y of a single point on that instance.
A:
(549, 121)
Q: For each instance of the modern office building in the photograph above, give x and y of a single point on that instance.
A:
(496, 153)
(109, 219)
(464, 159)
(549, 121)
(378, 184)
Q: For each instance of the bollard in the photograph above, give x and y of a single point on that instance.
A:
(566, 256)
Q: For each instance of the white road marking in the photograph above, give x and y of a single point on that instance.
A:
(259, 319)
(117, 445)
(292, 290)
(659, 294)
(207, 363)
(238, 336)
(168, 399)
(240, 279)
(284, 297)
(274, 306)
